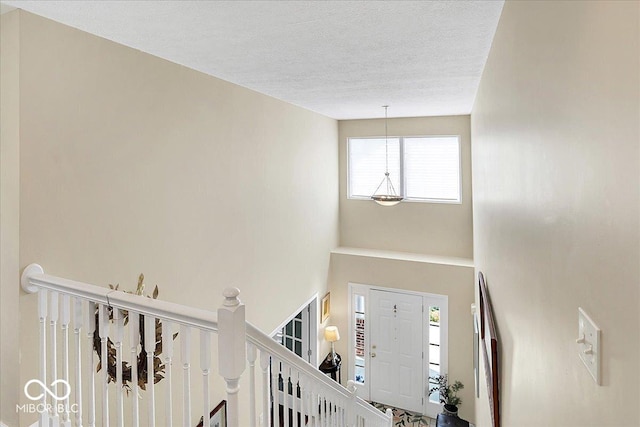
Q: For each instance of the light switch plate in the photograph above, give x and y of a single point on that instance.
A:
(588, 342)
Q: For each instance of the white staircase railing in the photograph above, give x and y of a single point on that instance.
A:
(293, 393)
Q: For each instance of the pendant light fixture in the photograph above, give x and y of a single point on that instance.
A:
(388, 196)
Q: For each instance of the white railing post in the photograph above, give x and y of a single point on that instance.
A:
(185, 358)
(118, 316)
(351, 407)
(53, 354)
(252, 355)
(266, 397)
(134, 341)
(390, 417)
(231, 349)
(103, 330)
(150, 348)
(91, 382)
(167, 349)
(65, 318)
(42, 315)
(205, 366)
(77, 329)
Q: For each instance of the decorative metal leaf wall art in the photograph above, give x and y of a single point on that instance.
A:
(141, 362)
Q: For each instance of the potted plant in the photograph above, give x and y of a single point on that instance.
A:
(447, 393)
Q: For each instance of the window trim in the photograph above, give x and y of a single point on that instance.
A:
(402, 174)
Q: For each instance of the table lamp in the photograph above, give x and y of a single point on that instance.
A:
(331, 334)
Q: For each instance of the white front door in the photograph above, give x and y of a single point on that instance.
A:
(396, 349)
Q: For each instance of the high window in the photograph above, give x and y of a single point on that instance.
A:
(423, 169)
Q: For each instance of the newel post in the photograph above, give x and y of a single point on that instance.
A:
(351, 407)
(232, 354)
(390, 416)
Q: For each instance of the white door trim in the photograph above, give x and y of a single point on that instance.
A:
(314, 343)
(364, 391)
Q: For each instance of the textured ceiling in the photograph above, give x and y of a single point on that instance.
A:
(343, 59)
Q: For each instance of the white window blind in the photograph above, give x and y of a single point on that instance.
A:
(432, 168)
(421, 168)
(367, 165)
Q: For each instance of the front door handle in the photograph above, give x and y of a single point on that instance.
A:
(373, 355)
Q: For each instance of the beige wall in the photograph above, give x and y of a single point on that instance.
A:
(556, 208)
(425, 228)
(9, 215)
(133, 164)
(454, 281)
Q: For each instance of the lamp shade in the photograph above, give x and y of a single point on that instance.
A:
(331, 333)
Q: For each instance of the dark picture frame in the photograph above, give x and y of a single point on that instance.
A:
(489, 339)
(218, 416)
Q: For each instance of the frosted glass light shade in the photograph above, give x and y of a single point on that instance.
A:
(331, 334)
(387, 200)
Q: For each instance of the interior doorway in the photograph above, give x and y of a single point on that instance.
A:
(299, 332)
(398, 340)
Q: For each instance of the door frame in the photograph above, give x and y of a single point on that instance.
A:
(314, 343)
(364, 391)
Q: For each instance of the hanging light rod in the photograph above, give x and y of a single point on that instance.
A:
(390, 197)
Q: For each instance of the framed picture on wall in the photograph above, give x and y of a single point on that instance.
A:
(325, 307)
(489, 342)
(217, 417)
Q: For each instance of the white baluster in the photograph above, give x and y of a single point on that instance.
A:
(295, 403)
(205, 365)
(232, 337)
(150, 347)
(334, 412)
(320, 409)
(91, 386)
(286, 376)
(167, 350)
(103, 330)
(185, 357)
(304, 398)
(134, 340)
(42, 316)
(266, 399)
(53, 357)
(314, 405)
(77, 327)
(275, 390)
(65, 317)
(118, 318)
(326, 411)
(252, 355)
